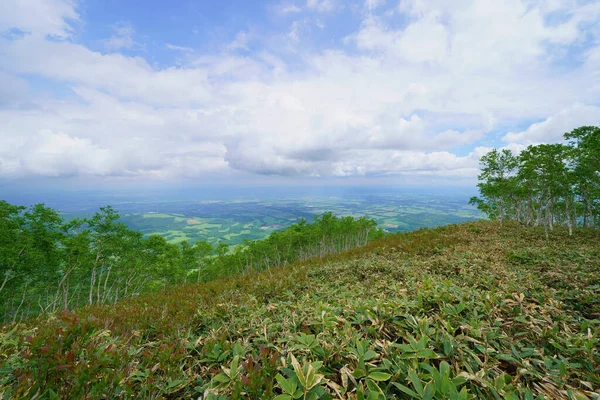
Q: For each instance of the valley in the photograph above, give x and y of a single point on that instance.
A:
(234, 221)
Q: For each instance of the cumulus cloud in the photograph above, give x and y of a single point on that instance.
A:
(395, 97)
(40, 17)
(554, 127)
(55, 154)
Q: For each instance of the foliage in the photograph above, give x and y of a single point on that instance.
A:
(49, 265)
(468, 311)
(545, 185)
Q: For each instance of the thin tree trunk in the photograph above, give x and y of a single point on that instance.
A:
(92, 282)
(61, 283)
(99, 283)
(21, 304)
(105, 283)
(66, 297)
(4, 282)
(568, 216)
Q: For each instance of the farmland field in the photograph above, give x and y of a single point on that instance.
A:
(250, 213)
(235, 221)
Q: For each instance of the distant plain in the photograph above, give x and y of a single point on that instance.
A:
(232, 216)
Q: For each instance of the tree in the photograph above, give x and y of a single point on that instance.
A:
(546, 184)
(585, 161)
(48, 264)
(497, 184)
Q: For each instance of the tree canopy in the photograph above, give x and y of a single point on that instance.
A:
(546, 184)
(48, 264)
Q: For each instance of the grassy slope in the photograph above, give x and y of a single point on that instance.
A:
(461, 311)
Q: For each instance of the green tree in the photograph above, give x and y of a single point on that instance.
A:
(585, 160)
(497, 183)
(546, 184)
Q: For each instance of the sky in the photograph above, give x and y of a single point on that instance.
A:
(122, 92)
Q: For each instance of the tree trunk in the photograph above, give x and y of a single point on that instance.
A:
(21, 304)
(568, 216)
(92, 281)
(4, 282)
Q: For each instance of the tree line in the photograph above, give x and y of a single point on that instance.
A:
(48, 264)
(546, 184)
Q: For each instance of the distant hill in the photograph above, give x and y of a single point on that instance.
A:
(458, 312)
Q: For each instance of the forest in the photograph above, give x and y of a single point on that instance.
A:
(546, 184)
(49, 265)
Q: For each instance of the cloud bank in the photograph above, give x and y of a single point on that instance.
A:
(419, 88)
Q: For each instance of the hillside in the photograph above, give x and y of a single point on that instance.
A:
(463, 311)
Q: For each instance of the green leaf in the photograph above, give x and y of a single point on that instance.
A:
(222, 378)
(379, 376)
(406, 390)
(404, 347)
(288, 385)
(447, 347)
(459, 380)
(426, 353)
(234, 366)
(175, 383)
(358, 373)
(369, 355)
(421, 344)
(429, 391)
(444, 368)
(283, 397)
(437, 379)
(373, 387)
(408, 356)
(312, 396)
(414, 378)
(373, 395)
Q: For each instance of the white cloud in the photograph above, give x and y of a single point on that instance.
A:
(240, 41)
(122, 38)
(12, 89)
(130, 77)
(554, 127)
(398, 98)
(423, 40)
(184, 49)
(288, 9)
(42, 17)
(373, 4)
(321, 5)
(294, 33)
(56, 154)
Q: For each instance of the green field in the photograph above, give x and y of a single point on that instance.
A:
(232, 222)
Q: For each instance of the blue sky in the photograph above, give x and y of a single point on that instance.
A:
(287, 92)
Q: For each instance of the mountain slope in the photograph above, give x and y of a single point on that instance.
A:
(464, 311)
